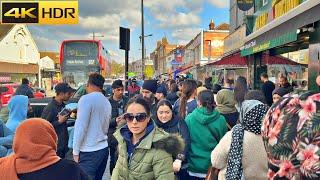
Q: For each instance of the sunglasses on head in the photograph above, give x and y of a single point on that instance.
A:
(140, 117)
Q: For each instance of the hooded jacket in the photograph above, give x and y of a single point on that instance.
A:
(150, 159)
(6, 138)
(25, 90)
(206, 130)
(177, 126)
(18, 110)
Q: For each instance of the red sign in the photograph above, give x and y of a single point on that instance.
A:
(5, 78)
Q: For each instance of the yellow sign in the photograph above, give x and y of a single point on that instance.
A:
(283, 6)
(41, 12)
(149, 72)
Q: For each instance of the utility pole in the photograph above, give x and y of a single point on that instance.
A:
(142, 37)
(94, 35)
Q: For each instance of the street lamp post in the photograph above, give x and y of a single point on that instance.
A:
(142, 36)
(143, 52)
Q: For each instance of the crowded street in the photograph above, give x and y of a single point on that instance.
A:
(157, 90)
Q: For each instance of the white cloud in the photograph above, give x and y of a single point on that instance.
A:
(220, 3)
(176, 13)
(165, 4)
(183, 36)
(181, 20)
(127, 10)
(45, 44)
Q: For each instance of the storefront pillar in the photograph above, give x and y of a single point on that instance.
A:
(257, 58)
(314, 58)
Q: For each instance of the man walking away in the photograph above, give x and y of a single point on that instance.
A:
(90, 144)
(24, 89)
(267, 88)
(118, 102)
(58, 121)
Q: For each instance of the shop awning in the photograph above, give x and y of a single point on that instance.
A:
(6, 67)
(271, 60)
(234, 60)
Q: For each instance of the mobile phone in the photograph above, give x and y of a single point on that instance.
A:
(65, 112)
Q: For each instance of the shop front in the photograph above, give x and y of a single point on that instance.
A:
(281, 28)
(12, 72)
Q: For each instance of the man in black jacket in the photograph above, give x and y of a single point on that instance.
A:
(267, 88)
(24, 89)
(118, 102)
(58, 121)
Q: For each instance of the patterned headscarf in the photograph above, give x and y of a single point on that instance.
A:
(252, 113)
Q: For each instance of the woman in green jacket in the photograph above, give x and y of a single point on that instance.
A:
(206, 127)
(145, 152)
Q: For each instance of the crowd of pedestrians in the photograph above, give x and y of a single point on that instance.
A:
(179, 130)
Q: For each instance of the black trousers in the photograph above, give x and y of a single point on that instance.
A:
(113, 157)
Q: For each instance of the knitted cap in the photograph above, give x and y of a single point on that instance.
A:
(150, 85)
(162, 89)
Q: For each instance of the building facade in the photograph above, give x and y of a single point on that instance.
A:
(284, 26)
(19, 54)
(159, 55)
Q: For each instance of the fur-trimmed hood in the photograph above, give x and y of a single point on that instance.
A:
(172, 144)
(158, 139)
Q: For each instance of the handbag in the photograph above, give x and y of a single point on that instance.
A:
(212, 174)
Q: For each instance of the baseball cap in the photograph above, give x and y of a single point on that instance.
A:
(63, 87)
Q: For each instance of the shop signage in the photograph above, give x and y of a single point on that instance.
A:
(235, 40)
(5, 78)
(284, 39)
(245, 5)
(178, 55)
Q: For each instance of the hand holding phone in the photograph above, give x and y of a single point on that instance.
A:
(62, 119)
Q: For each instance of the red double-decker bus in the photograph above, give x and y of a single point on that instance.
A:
(78, 58)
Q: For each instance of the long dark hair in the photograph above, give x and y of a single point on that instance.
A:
(164, 102)
(174, 88)
(240, 89)
(188, 88)
(141, 101)
(206, 99)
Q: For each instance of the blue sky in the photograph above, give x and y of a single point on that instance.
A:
(178, 20)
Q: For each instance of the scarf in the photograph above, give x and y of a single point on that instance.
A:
(225, 102)
(253, 112)
(34, 146)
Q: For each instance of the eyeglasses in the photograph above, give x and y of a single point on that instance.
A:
(140, 117)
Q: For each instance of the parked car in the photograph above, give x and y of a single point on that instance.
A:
(39, 104)
(6, 92)
(39, 92)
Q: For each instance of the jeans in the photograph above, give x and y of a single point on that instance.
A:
(182, 174)
(94, 163)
